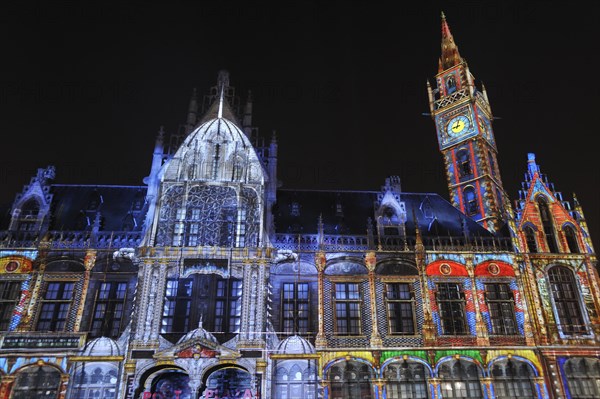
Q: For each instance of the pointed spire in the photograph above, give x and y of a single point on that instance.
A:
(220, 113)
(531, 165)
(192, 116)
(450, 55)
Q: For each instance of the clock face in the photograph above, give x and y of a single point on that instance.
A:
(457, 125)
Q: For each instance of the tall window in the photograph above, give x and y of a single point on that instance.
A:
(513, 379)
(228, 306)
(583, 377)
(566, 299)
(470, 201)
(109, 308)
(9, 296)
(177, 306)
(530, 237)
(39, 382)
(400, 306)
(460, 379)
(350, 380)
(347, 308)
(500, 302)
(571, 238)
(451, 304)
(405, 380)
(56, 302)
(464, 163)
(295, 308)
(547, 223)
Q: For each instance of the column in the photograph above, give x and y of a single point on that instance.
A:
(371, 263)
(88, 263)
(480, 326)
(320, 262)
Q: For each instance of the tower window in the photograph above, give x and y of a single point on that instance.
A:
(571, 238)
(547, 224)
(470, 201)
(500, 302)
(566, 299)
(347, 308)
(451, 303)
(464, 163)
(400, 307)
(583, 375)
(450, 84)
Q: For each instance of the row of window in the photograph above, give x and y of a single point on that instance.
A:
(450, 298)
(510, 379)
(217, 302)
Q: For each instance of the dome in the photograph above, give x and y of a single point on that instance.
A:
(218, 130)
(102, 346)
(198, 333)
(295, 345)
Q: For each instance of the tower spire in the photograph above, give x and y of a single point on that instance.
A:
(450, 56)
(220, 114)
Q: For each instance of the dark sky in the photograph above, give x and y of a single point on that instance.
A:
(86, 87)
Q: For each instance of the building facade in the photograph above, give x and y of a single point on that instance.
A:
(209, 281)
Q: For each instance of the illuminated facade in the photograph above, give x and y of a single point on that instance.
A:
(209, 281)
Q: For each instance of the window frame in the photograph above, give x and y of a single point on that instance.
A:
(8, 304)
(346, 305)
(452, 302)
(107, 321)
(54, 321)
(400, 301)
(296, 303)
(567, 301)
(506, 316)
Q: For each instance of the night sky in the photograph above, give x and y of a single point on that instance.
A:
(86, 88)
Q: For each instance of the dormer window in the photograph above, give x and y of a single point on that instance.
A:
(29, 215)
(295, 209)
(530, 238)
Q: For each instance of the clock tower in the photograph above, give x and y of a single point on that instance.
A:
(463, 120)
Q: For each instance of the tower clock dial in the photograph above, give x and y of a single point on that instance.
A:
(457, 125)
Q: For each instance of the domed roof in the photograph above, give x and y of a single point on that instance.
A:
(198, 333)
(295, 345)
(217, 130)
(102, 346)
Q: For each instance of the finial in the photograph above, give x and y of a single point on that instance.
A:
(443, 15)
(200, 321)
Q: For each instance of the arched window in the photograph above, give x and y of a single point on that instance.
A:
(470, 201)
(295, 379)
(513, 379)
(547, 223)
(406, 380)
(350, 380)
(460, 379)
(464, 163)
(571, 238)
(94, 380)
(583, 377)
(40, 382)
(566, 299)
(530, 238)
